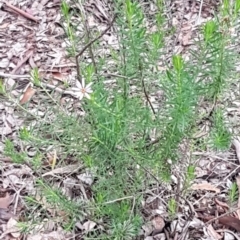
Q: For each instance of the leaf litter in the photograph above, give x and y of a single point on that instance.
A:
(31, 38)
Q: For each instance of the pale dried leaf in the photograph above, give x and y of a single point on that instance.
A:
(12, 228)
(62, 170)
(213, 233)
(148, 228)
(205, 186)
(148, 238)
(24, 170)
(4, 63)
(86, 177)
(5, 130)
(158, 223)
(229, 236)
(89, 226)
(196, 223)
(55, 235)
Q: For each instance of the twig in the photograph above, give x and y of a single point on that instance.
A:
(17, 192)
(88, 45)
(114, 75)
(119, 199)
(23, 13)
(144, 89)
(200, 11)
(133, 206)
(152, 175)
(7, 75)
(223, 215)
(22, 62)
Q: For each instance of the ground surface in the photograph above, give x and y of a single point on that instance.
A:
(28, 42)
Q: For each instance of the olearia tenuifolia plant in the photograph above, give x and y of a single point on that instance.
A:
(114, 137)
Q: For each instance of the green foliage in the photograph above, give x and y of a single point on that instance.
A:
(125, 230)
(24, 134)
(55, 198)
(220, 135)
(2, 87)
(236, 8)
(189, 177)
(172, 207)
(35, 77)
(10, 151)
(215, 62)
(233, 193)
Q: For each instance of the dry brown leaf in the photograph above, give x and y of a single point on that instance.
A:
(205, 186)
(5, 201)
(27, 95)
(21, 12)
(59, 76)
(230, 222)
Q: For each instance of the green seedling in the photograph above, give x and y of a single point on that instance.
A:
(233, 193)
(220, 135)
(172, 208)
(2, 87)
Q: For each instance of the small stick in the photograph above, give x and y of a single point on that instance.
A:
(144, 90)
(119, 199)
(7, 75)
(21, 12)
(22, 62)
(199, 13)
(223, 215)
(88, 45)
